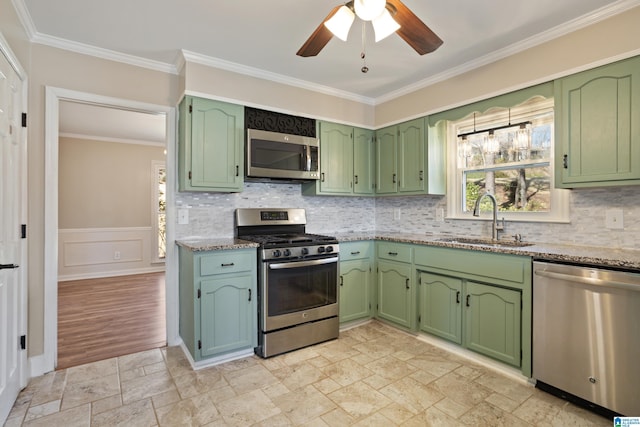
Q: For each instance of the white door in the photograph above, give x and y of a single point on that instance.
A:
(12, 298)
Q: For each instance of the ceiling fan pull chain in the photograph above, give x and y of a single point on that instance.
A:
(363, 54)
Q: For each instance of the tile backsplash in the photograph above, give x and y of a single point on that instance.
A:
(211, 215)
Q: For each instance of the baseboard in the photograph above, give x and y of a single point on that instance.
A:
(100, 275)
(38, 366)
(215, 360)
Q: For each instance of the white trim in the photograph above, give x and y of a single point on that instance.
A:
(53, 96)
(156, 165)
(112, 139)
(213, 361)
(67, 278)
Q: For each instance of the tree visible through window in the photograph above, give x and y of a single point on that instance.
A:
(159, 211)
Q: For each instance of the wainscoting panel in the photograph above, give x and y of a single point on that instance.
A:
(104, 252)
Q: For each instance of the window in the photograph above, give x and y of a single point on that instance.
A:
(507, 152)
(159, 180)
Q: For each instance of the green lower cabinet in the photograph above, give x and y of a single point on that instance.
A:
(355, 290)
(226, 314)
(218, 301)
(492, 325)
(395, 293)
(441, 306)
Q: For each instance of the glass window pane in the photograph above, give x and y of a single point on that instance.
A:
(519, 189)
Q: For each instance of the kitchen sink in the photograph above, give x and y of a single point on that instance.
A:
(485, 242)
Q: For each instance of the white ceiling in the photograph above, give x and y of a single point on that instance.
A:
(261, 37)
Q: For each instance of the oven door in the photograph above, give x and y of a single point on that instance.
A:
(300, 291)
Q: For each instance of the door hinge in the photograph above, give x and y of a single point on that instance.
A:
(191, 108)
(23, 342)
(199, 345)
(199, 294)
(24, 120)
(23, 231)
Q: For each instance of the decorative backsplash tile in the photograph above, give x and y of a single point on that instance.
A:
(212, 215)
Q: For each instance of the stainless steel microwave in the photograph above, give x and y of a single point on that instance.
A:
(282, 156)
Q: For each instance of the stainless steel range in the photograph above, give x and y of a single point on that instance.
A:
(297, 279)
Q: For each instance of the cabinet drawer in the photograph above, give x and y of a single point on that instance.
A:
(226, 262)
(355, 250)
(394, 252)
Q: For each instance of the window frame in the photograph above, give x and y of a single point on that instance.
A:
(492, 117)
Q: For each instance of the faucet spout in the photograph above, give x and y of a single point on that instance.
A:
(495, 226)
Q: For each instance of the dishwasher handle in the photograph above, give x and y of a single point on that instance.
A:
(589, 280)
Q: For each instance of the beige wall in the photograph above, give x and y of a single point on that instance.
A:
(14, 33)
(613, 38)
(105, 184)
(201, 79)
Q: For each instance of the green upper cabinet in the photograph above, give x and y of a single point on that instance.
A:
(346, 161)
(405, 163)
(210, 146)
(598, 126)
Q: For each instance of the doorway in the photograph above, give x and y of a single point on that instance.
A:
(53, 99)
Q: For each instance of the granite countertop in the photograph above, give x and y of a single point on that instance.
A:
(591, 255)
(215, 244)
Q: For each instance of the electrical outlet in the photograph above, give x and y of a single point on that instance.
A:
(116, 255)
(396, 214)
(183, 216)
(613, 219)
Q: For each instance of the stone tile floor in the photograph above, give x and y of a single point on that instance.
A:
(373, 375)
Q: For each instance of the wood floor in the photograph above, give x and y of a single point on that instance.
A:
(108, 317)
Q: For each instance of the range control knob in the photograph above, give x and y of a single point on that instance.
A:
(304, 251)
(287, 252)
(321, 249)
(276, 253)
(329, 249)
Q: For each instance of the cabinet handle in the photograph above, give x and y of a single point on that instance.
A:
(565, 161)
(355, 179)
(394, 178)
(468, 304)
(406, 283)
(237, 170)
(421, 175)
(249, 294)
(322, 177)
(341, 281)
(355, 253)
(231, 264)
(458, 297)
(392, 253)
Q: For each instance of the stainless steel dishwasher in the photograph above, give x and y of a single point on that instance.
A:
(586, 335)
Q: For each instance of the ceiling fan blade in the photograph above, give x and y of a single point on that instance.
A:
(413, 30)
(319, 38)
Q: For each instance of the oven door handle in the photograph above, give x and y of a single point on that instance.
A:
(297, 264)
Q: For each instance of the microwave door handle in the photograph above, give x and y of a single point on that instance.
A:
(308, 151)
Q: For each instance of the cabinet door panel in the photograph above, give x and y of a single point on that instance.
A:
(216, 144)
(492, 325)
(441, 306)
(411, 157)
(227, 309)
(336, 158)
(386, 152)
(394, 292)
(355, 290)
(598, 132)
(363, 161)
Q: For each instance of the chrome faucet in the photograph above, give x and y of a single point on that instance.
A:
(495, 227)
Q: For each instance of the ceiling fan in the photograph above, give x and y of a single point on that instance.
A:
(387, 17)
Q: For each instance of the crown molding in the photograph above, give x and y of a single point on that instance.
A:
(551, 34)
(267, 75)
(113, 139)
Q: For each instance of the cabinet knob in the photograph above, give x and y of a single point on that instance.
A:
(468, 303)
(565, 161)
(355, 179)
(458, 297)
(341, 281)
(421, 175)
(394, 178)
(249, 294)
(322, 177)
(406, 283)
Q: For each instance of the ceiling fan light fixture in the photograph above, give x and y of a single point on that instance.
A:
(340, 23)
(384, 25)
(368, 10)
